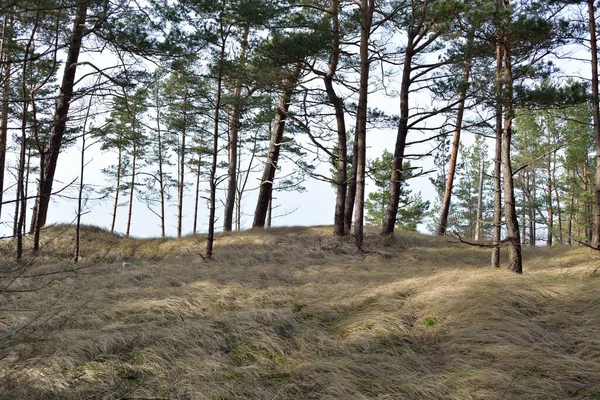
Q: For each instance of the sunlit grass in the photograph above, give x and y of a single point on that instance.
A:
(296, 313)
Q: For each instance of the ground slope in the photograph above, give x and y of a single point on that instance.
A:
(294, 313)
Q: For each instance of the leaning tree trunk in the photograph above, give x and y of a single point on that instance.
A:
(367, 8)
(233, 140)
(454, 154)
(266, 185)
(596, 119)
(57, 130)
(515, 260)
(391, 212)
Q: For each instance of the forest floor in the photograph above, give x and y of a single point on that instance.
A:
(295, 313)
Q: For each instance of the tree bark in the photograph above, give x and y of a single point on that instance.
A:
(266, 186)
(550, 216)
(367, 8)
(233, 140)
(351, 194)
(50, 155)
(197, 194)
(596, 119)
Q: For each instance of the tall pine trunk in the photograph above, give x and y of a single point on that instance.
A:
(131, 188)
(266, 185)
(233, 140)
(49, 156)
(181, 166)
(479, 215)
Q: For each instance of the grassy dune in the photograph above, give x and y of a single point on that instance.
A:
(294, 313)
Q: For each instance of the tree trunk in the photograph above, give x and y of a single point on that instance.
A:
(181, 167)
(480, 199)
(367, 8)
(161, 174)
(339, 226)
(197, 194)
(351, 194)
(212, 181)
(550, 216)
(131, 188)
(532, 224)
(596, 119)
(266, 186)
(512, 223)
(497, 222)
(233, 140)
(81, 184)
(5, 63)
(571, 208)
(117, 190)
(57, 130)
(454, 156)
(391, 212)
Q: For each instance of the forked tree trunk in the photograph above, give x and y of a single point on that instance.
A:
(367, 8)
(57, 130)
(266, 185)
(351, 193)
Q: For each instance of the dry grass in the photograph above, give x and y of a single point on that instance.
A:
(294, 313)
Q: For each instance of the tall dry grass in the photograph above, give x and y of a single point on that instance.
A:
(294, 313)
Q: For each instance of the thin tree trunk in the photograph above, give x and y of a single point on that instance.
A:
(197, 194)
(480, 199)
(81, 184)
(550, 216)
(367, 8)
(117, 190)
(181, 167)
(266, 186)
(571, 208)
(532, 224)
(161, 174)
(496, 227)
(515, 259)
(57, 130)
(6, 61)
(559, 212)
(213, 166)
(132, 188)
(524, 184)
(233, 140)
(447, 199)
